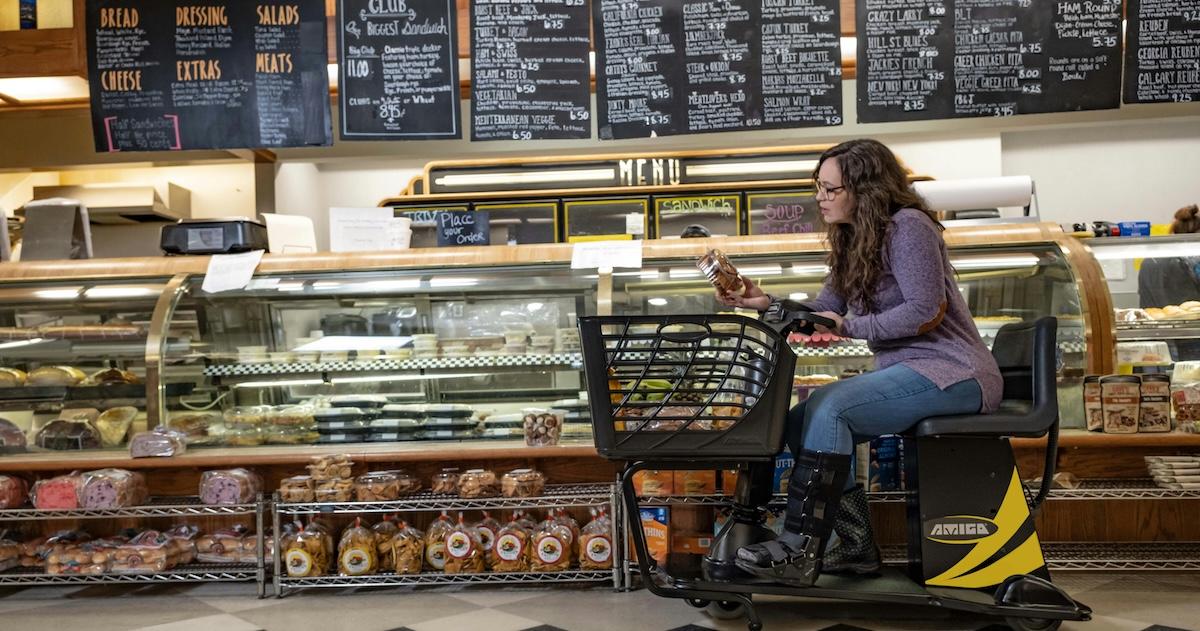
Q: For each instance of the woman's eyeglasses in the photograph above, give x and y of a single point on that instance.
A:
(829, 192)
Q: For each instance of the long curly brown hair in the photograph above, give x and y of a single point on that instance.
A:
(879, 185)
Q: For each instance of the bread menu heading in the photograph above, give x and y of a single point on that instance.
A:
(171, 75)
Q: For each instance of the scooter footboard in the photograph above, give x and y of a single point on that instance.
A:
(971, 514)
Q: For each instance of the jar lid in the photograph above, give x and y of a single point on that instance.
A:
(1158, 376)
(1092, 379)
(1120, 379)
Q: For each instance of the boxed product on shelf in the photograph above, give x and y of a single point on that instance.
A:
(112, 488)
(654, 483)
(14, 492)
(656, 524)
(729, 478)
(358, 553)
(595, 543)
(161, 442)
(691, 542)
(229, 486)
(464, 550)
(57, 493)
(1093, 403)
(511, 551)
(695, 482)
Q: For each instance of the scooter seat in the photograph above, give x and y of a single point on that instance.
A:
(1025, 353)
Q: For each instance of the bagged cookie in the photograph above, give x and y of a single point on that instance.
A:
(298, 488)
(435, 542)
(464, 551)
(510, 553)
(338, 467)
(478, 483)
(407, 549)
(307, 553)
(445, 481)
(595, 543)
(551, 550)
(563, 517)
(488, 528)
(522, 483)
(358, 551)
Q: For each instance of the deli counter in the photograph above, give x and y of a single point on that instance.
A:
(405, 350)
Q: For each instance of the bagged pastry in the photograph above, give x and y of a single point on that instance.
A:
(407, 549)
(488, 528)
(595, 543)
(307, 553)
(510, 553)
(357, 551)
(57, 493)
(161, 442)
(563, 517)
(148, 553)
(298, 488)
(435, 542)
(384, 531)
(464, 551)
(13, 491)
(112, 488)
(478, 483)
(522, 483)
(229, 486)
(551, 550)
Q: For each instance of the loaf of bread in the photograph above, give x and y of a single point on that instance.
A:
(66, 435)
(112, 488)
(229, 486)
(13, 491)
(149, 552)
(58, 493)
(162, 442)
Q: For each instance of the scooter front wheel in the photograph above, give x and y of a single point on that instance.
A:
(725, 609)
(698, 603)
(1033, 624)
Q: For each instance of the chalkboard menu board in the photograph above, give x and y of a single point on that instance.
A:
(925, 59)
(176, 74)
(1162, 56)
(513, 223)
(530, 70)
(720, 214)
(398, 69)
(425, 222)
(463, 228)
(668, 67)
(783, 212)
(601, 219)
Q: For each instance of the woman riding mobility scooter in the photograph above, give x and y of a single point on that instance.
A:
(972, 545)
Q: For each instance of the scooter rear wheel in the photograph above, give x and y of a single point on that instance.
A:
(1033, 624)
(698, 603)
(725, 609)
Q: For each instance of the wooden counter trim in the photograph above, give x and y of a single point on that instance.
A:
(1082, 439)
(298, 454)
(1100, 327)
(483, 256)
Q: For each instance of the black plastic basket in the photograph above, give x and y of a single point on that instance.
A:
(686, 386)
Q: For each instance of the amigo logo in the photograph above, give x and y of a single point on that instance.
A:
(959, 529)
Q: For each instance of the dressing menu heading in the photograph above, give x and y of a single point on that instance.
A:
(188, 74)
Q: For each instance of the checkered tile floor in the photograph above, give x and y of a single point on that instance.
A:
(1122, 602)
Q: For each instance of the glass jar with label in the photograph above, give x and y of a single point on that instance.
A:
(1093, 404)
(1122, 399)
(1156, 403)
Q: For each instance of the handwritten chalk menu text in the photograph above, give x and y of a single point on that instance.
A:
(463, 228)
(398, 69)
(530, 69)
(1162, 56)
(198, 74)
(668, 67)
(928, 59)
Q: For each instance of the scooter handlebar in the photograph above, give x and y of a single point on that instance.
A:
(787, 316)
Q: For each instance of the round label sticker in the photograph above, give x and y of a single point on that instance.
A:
(356, 561)
(509, 547)
(549, 549)
(459, 544)
(435, 554)
(599, 549)
(133, 560)
(299, 563)
(487, 537)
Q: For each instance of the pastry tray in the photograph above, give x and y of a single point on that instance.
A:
(87, 393)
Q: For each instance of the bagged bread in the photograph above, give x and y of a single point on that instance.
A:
(57, 493)
(407, 549)
(148, 553)
(89, 557)
(464, 551)
(112, 488)
(222, 546)
(551, 547)
(487, 528)
(13, 491)
(595, 543)
(183, 539)
(357, 551)
(510, 553)
(229, 486)
(307, 553)
(161, 442)
(435, 542)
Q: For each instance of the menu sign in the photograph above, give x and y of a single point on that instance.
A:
(193, 74)
(666, 67)
(398, 69)
(463, 228)
(1162, 57)
(530, 70)
(929, 59)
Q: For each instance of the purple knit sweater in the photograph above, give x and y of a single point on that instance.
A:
(921, 320)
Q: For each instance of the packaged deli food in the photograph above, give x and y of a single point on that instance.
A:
(435, 542)
(308, 552)
(247, 417)
(464, 550)
(298, 488)
(147, 553)
(112, 488)
(1093, 404)
(407, 548)
(522, 483)
(161, 442)
(445, 481)
(114, 423)
(595, 543)
(719, 271)
(12, 438)
(1122, 400)
(1186, 400)
(357, 551)
(198, 426)
(487, 528)
(478, 483)
(510, 553)
(542, 427)
(229, 486)
(333, 467)
(551, 551)
(14, 492)
(57, 493)
(1155, 413)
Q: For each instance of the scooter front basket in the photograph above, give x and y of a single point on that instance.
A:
(686, 387)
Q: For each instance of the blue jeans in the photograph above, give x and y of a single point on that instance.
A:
(888, 401)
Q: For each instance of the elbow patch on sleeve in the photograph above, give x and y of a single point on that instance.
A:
(936, 320)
